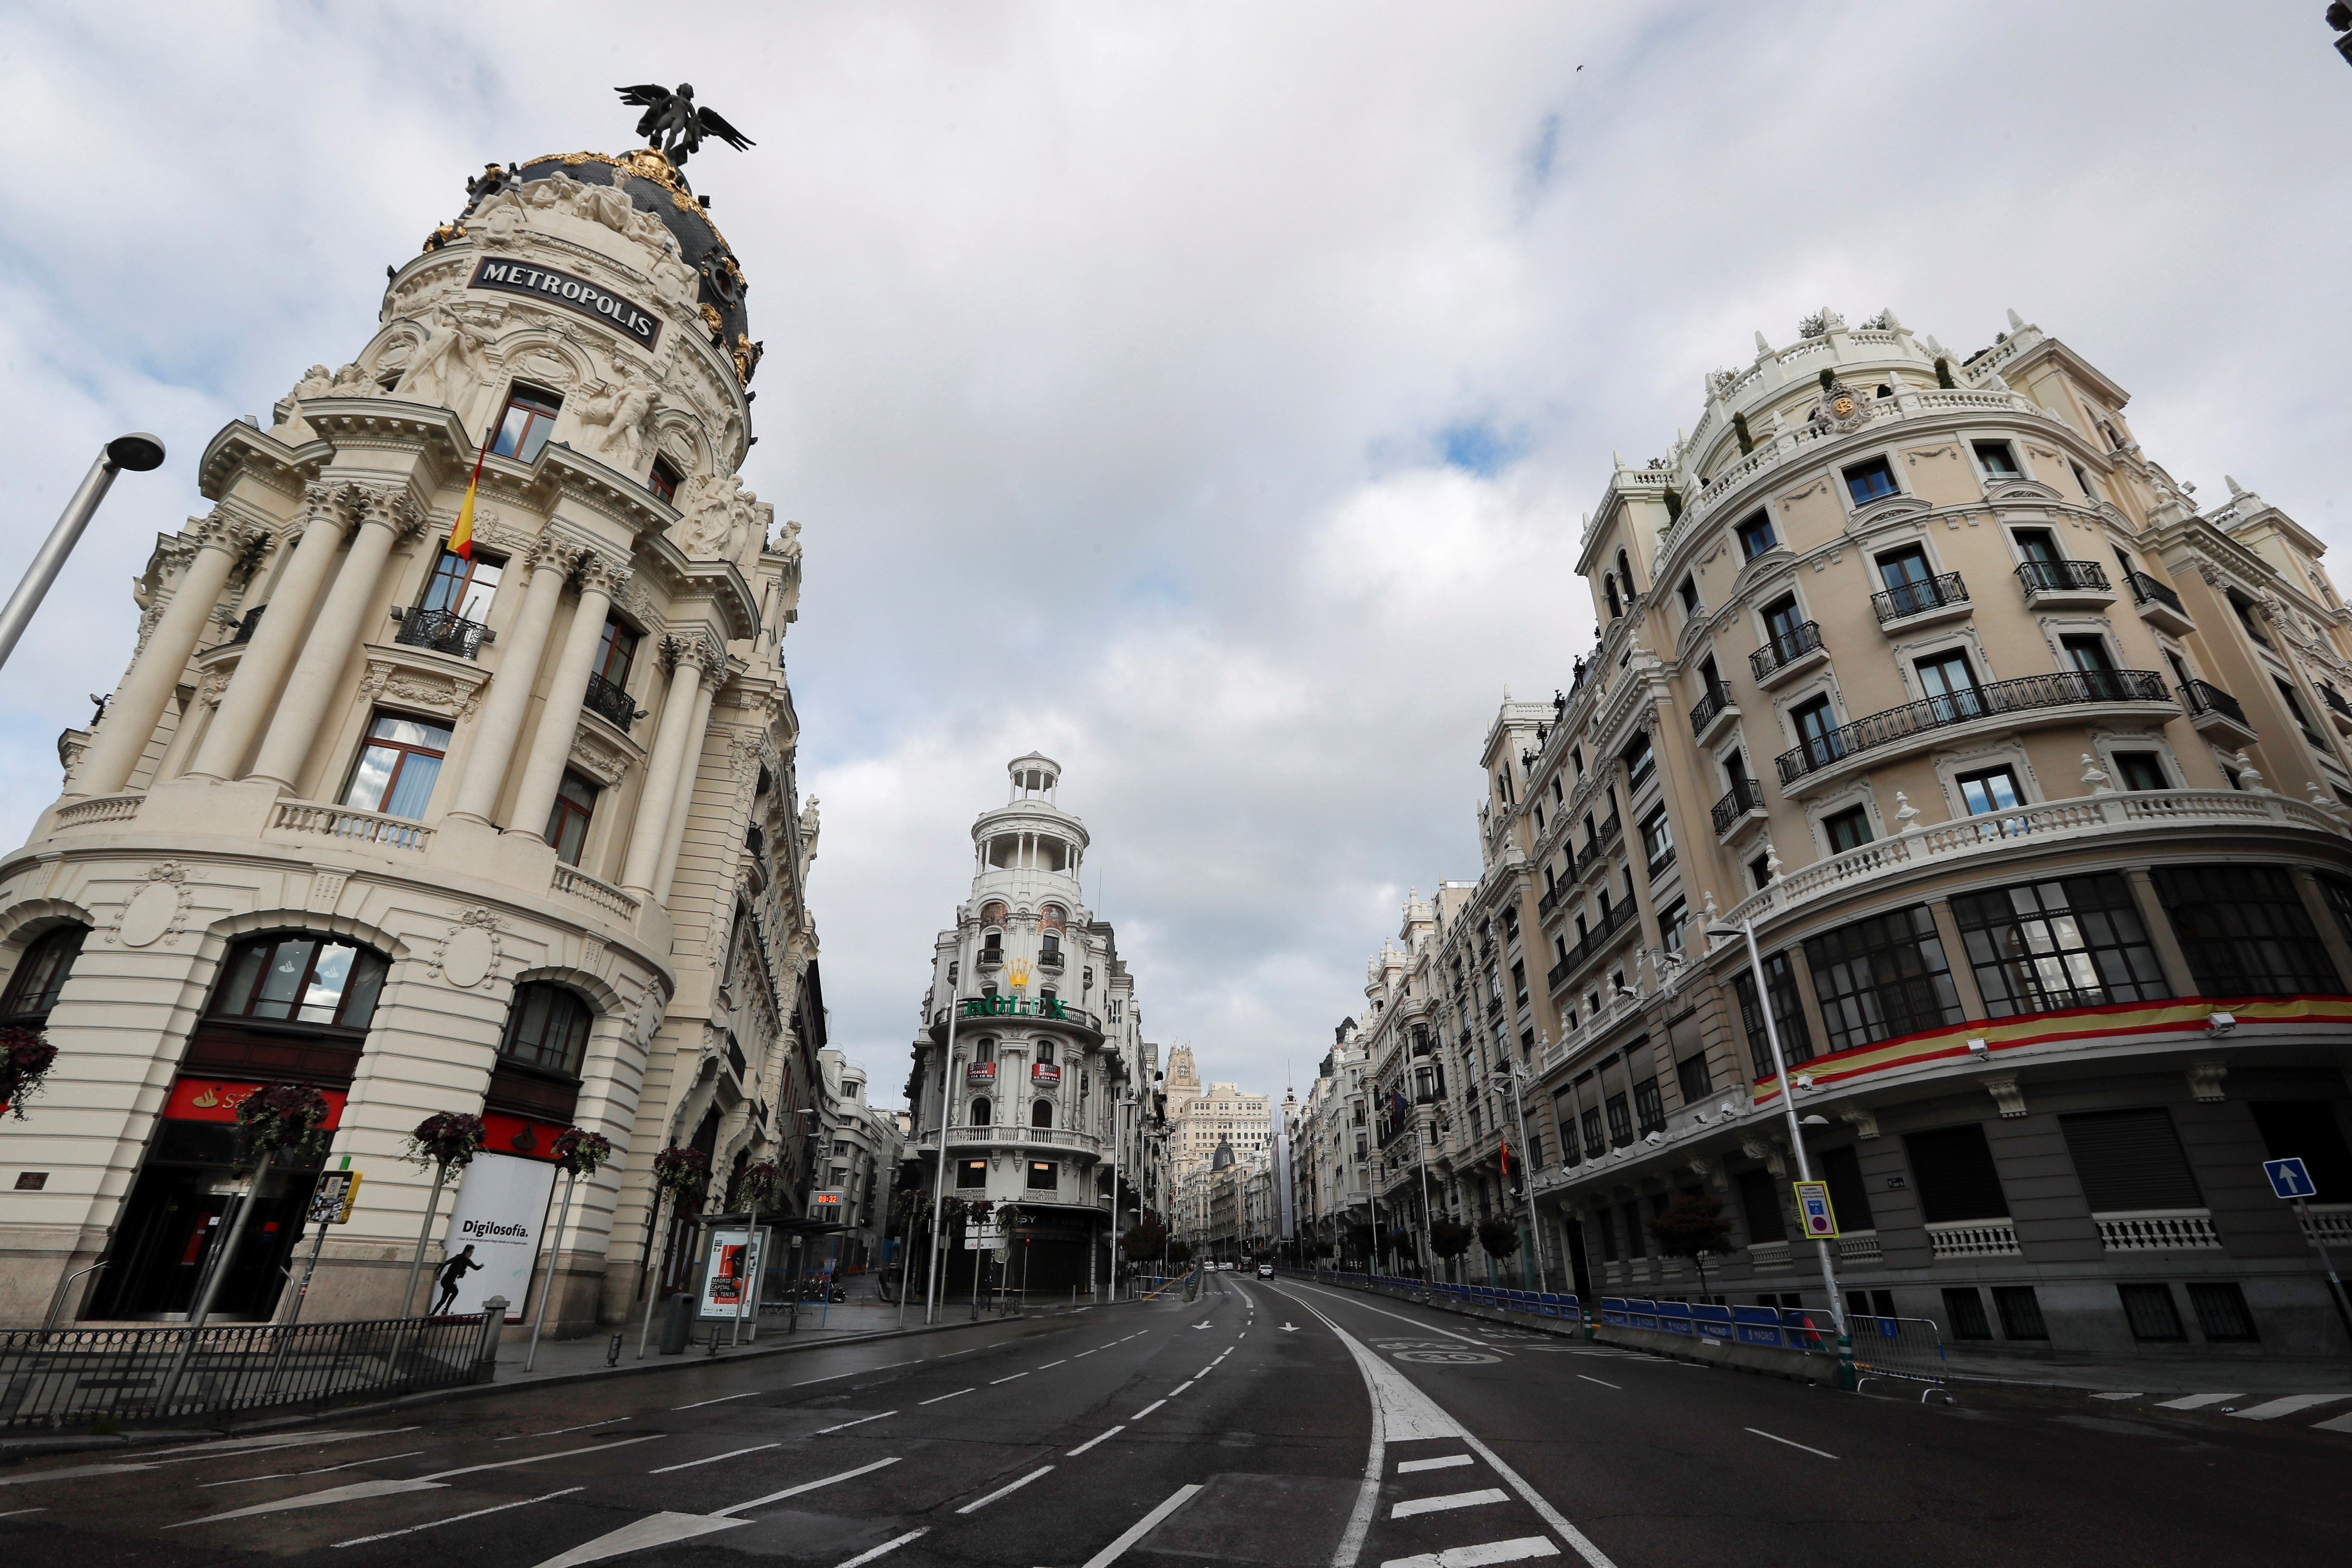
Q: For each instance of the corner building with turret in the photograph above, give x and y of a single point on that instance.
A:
(2030, 776)
(514, 834)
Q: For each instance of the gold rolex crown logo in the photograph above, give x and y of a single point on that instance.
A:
(1018, 972)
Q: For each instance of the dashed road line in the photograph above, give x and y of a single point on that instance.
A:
(975, 1507)
(1053, 1363)
(1092, 1441)
(869, 1555)
(847, 1425)
(994, 1383)
(720, 1400)
(1182, 1387)
(1412, 1507)
(1146, 1410)
(1413, 1467)
(558, 1432)
(1824, 1453)
(1140, 1529)
(1604, 1382)
(733, 1453)
(959, 1393)
(458, 1518)
(804, 1487)
(289, 1475)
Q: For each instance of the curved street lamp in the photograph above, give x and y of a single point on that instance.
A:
(137, 452)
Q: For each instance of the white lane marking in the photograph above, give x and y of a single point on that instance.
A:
(639, 1534)
(1182, 1387)
(360, 1490)
(957, 1394)
(1146, 1410)
(1419, 1505)
(2133, 1394)
(847, 1425)
(1053, 1363)
(1413, 1467)
(1429, 1328)
(459, 1518)
(975, 1506)
(714, 1458)
(2275, 1408)
(559, 1431)
(1594, 1556)
(2194, 1401)
(1602, 1381)
(1141, 1527)
(15, 1511)
(1824, 1453)
(287, 1475)
(2340, 1423)
(720, 1400)
(1092, 1441)
(804, 1487)
(1483, 1556)
(1081, 1355)
(864, 1557)
(187, 1453)
(832, 1377)
(993, 1383)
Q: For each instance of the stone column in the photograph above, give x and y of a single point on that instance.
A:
(559, 719)
(501, 725)
(253, 690)
(689, 768)
(693, 656)
(140, 701)
(386, 517)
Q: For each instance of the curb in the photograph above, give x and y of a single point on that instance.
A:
(12, 1449)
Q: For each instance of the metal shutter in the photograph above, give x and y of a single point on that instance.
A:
(2131, 1160)
(1955, 1171)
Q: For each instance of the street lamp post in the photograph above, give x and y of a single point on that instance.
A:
(1747, 929)
(1527, 1181)
(939, 1183)
(138, 453)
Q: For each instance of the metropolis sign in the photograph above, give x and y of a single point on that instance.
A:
(643, 327)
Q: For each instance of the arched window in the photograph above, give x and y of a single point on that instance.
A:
(1041, 1114)
(300, 977)
(40, 975)
(1625, 571)
(981, 1114)
(547, 1029)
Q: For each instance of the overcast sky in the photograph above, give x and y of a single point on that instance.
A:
(1205, 395)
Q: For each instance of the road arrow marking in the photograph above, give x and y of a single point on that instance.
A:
(661, 1529)
(1290, 1328)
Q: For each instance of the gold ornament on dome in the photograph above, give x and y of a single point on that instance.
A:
(746, 355)
(647, 164)
(712, 318)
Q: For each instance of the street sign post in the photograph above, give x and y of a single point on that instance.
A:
(2290, 1178)
(1813, 1208)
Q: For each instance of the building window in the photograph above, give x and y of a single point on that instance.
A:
(1687, 592)
(1870, 481)
(1992, 790)
(1847, 829)
(2221, 1315)
(461, 587)
(970, 1173)
(1649, 1105)
(397, 767)
(567, 821)
(40, 974)
(1691, 1075)
(1658, 841)
(1596, 1143)
(1639, 761)
(1998, 461)
(981, 1113)
(2150, 1312)
(1849, 1194)
(302, 979)
(2244, 932)
(548, 1027)
(663, 481)
(1949, 687)
(528, 420)
(1759, 1206)
(1788, 1015)
(1621, 1120)
(1040, 1114)
(2128, 1160)
(2141, 770)
(1953, 1169)
(2295, 706)
(616, 654)
(2037, 947)
(1817, 734)
(1519, 982)
(1882, 977)
(1672, 921)
(1756, 536)
(1044, 1175)
(2021, 1313)
(1964, 1312)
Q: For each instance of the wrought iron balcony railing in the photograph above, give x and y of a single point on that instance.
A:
(1704, 711)
(610, 701)
(2202, 699)
(2146, 590)
(1744, 796)
(1918, 599)
(2061, 576)
(442, 631)
(2065, 689)
(1785, 650)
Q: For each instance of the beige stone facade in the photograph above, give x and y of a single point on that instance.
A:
(515, 836)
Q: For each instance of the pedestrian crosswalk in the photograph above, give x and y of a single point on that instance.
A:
(2241, 1406)
(1470, 1510)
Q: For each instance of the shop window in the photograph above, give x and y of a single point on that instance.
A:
(567, 821)
(1044, 1175)
(547, 1027)
(2221, 1315)
(2021, 1313)
(1847, 829)
(981, 1113)
(1882, 977)
(528, 421)
(1964, 1313)
(1759, 1206)
(2151, 1313)
(1756, 536)
(1953, 1169)
(2037, 947)
(296, 977)
(1788, 1015)
(970, 1173)
(2244, 932)
(2129, 1160)
(1870, 481)
(40, 974)
(398, 766)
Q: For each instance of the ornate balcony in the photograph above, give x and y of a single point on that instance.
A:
(1597, 940)
(611, 703)
(1973, 1238)
(2158, 1230)
(2216, 714)
(2003, 704)
(1929, 599)
(1742, 805)
(2051, 585)
(353, 827)
(2159, 606)
(1793, 651)
(1710, 712)
(2340, 712)
(442, 631)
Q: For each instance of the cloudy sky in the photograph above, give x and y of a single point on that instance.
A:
(1205, 395)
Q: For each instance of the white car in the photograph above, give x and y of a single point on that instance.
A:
(1265, 1270)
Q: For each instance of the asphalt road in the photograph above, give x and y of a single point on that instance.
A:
(1275, 1423)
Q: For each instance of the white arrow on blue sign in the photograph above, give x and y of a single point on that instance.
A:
(2289, 1179)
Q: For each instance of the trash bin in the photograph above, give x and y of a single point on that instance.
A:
(678, 1324)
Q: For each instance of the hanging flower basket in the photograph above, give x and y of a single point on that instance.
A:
(681, 1172)
(578, 1151)
(284, 1121)
(448, 1139)
(758, 1186)
(26, 1055)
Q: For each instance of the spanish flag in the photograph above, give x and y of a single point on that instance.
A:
(461, 538)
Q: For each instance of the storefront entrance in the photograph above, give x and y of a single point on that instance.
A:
(180, 1214)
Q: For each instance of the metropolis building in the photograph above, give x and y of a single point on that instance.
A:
(2031, 776)
(514, 834)
(1049, 1087)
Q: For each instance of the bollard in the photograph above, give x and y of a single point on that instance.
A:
(613, 1352)
(486, 1354)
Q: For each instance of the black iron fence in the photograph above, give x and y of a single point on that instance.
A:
(1965, 704)
(610, 702)
(1784, 649)
(2061, 576)
(69, 1377)
(1917, 598)
(443, 631)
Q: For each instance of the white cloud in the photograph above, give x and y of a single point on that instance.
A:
(1115, 354)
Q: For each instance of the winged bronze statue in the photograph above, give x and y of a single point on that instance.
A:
(673, 125)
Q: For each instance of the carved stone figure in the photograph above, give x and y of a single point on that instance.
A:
(316, 381)
(625, 410)
(709, 506)
(450, 354)
(351, 381)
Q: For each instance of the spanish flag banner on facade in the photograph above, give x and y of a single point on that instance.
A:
(461, 538)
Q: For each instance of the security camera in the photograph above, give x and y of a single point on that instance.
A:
(1654, 1138)
(1804, 1080)
(1980, 1051)
(2219, 1024)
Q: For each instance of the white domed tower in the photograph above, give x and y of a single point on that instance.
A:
(1048, 1052)
(495, 821)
